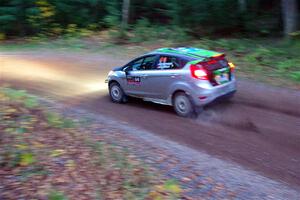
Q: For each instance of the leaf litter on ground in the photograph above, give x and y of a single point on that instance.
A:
(44, 155)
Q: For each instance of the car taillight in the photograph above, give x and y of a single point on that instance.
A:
(232, 66)
(198, 72)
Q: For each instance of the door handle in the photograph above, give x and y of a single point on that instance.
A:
(174, 75)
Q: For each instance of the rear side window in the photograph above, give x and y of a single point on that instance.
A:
(169, 62)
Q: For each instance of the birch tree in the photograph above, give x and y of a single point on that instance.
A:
(242, 5)
(290, 16)
(125, 13)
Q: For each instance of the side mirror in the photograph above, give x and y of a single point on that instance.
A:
(126, 70)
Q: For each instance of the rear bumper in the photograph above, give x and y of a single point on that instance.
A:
(224, 96)
(205, 96)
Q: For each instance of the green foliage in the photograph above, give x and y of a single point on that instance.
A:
(17, 155)
(295, 75)
(173, 187)
(27, 159)
(200, 17)
(56, 195)
(49, 17)
(31, 102)
(144, 31)
(54, 120)
(113, 17)
(21, 96)
(14, 95)
(295, 35)
(2, 36)
(235, 45)
(57, 121)
(118, 35)
(261, 58)
(21, 130)
(287, 64)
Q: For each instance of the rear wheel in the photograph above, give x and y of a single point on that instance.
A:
(116, 93)
(183, 106)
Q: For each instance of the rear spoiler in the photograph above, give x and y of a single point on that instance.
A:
(207, 59)
(215, 58)
(219, 55)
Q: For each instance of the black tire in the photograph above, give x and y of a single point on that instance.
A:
(183, 105)
(116, 93)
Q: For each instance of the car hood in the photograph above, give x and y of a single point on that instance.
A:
(117, 69)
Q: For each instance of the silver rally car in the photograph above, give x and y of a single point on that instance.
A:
(185, 78)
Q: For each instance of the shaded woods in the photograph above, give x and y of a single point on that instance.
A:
(195, 18)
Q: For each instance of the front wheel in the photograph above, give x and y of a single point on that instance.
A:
(183, 106)
(116, 93)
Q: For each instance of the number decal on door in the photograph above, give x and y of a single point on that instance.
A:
(133, 80)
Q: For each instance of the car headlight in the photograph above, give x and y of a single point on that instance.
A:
(111, 73)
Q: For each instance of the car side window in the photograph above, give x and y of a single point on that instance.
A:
(168, 62)
(136, 65)
(145, 63)
(148, 63)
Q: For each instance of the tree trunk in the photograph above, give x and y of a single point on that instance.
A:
(125, 13)
(290, 16)
(242, 5)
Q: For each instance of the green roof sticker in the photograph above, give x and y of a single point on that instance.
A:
(199, 52)
(194, 62)
(190, 51)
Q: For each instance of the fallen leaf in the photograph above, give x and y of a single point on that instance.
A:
(27, 159)
(57, 152)
(38, 145)
(21, 146)
(70, 164)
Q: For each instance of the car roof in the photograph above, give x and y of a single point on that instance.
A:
(187, 52)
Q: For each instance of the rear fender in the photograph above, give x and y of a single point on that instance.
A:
(181, 86)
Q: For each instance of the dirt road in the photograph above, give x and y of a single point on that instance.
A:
(259, 129)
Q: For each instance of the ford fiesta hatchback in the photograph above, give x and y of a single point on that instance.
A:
(185, 78)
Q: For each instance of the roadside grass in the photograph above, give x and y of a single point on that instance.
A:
(73, 44)
(44, 155)
(272, 61)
